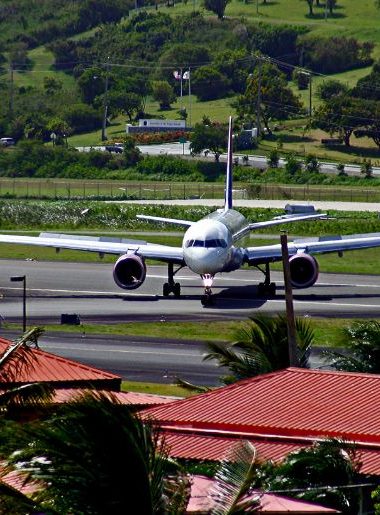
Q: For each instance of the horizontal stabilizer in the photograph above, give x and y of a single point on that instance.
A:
(159, 219)
(285, 219)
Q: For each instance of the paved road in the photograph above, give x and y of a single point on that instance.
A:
(254, 160)
(88, 290)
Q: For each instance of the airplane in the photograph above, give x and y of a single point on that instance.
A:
(211, 245)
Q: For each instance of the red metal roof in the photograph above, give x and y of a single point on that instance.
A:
(51, 368)
(278, 412)
(213, 448)
(137, 399)
(201, 501)
(290, 403)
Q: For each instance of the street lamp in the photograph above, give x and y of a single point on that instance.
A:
(18, 279)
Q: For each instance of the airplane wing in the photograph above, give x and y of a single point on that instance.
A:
(101, 245)
(321, 245)
(184, 223)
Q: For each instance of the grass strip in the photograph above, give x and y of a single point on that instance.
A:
(328, 331)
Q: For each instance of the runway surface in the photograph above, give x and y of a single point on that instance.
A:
(55, 288)
(89, 291)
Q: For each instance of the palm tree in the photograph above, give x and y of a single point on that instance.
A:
(261, 346)
(318, 474)
(363, 349)
(95, 457)
(17, 357)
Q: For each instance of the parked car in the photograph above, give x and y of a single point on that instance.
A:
(114, 148)
(7, 142)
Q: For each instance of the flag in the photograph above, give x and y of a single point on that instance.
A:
(177, 75)
(186, 75)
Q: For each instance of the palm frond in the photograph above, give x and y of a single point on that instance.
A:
(190, 386)
(27, 395)
(233, 480)
(19, 356)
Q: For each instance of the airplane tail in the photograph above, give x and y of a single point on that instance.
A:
(228, 187)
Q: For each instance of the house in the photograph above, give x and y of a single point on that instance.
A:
(278, 413)
(202, 501)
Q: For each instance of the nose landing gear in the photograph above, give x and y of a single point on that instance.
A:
(207, 299)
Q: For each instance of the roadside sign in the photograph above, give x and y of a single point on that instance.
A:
(182, 140)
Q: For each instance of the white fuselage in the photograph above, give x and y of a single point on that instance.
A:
(209, 245)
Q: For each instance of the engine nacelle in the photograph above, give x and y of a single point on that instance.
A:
(304, 270)
(129, 271)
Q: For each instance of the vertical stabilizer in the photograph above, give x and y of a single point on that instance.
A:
(228, 187)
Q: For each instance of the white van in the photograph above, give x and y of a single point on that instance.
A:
(7, 142)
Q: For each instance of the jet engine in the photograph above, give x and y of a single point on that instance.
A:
(304, 270)
(129, 271)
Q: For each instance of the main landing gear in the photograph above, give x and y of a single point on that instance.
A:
(171, 286)
(266, 289)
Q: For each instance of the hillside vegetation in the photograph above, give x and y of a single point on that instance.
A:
(69, 67)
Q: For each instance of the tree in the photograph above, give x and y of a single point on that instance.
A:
(208, 83)
(132, 154)
(93, 457)
(60, 128)
(331, 463)
(125, 102)
(311, 163)
(209, 137)
(216, 6)
(340, 115)
(52, 85)
(310, 4)
(277, 99)
(362, 340)
(261, 346)
(330, 88)
(19, 356)
(273, 158)
(163, 93)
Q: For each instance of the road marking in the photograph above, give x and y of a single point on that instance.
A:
(85, 292)
(120, 351)
(324, 303)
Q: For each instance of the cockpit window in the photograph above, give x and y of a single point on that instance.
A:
(212, 243)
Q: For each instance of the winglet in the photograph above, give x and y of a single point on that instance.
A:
(228, 187)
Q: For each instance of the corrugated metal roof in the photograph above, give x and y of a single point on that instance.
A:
(202, 501)
(292, 402)
(51, 368)
(134, 398)
(214, 448)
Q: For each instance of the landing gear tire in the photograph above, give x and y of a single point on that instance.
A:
(177, 290)
(166, 290)
(266, 290)
(206, 300)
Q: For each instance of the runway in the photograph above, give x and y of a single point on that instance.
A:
(87, 289)
(55, 288)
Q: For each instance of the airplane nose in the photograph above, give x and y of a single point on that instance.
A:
(205, 261)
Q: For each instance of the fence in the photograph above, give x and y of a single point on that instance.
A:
(76, 189)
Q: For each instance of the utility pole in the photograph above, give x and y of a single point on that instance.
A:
(258, 104)
(292, 343)
(105, 101)
(189, 97)
(310, 91)
(11, 90)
